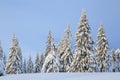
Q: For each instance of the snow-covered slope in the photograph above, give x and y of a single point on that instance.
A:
(63, 76)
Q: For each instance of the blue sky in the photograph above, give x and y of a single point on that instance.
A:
(30, 20)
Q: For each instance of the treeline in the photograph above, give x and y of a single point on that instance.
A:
(85, 58)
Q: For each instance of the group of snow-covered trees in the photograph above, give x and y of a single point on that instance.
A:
(62, 57)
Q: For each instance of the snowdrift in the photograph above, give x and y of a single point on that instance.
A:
(63, 76)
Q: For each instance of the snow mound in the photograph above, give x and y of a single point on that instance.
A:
(63, 76)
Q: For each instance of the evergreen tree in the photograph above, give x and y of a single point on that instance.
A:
(113, 61)
(2, 67)
(37, 64)
(4, 60)
(51, 63)
(102, 49)
(108, 63)
(14, 65)
(42, 59)
(24, 66)
(116, 60)
(64, 50)
(29, 66)
(1, 52)
(48, 43)
(83, 56)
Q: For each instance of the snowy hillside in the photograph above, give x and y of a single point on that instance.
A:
(63, 76)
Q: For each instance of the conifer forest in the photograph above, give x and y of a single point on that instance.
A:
(83, 56)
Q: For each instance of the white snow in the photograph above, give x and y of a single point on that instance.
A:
(63, 76)
(51, 62)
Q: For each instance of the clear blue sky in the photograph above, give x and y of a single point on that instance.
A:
(30, 20)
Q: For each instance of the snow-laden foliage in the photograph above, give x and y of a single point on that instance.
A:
(113, 60)
(14, 65)
(52, 62)
(2, 66)
(4, 60)
(83, 56)
(29, 66)
(1, 52)
(24, 66)
(108, 63)
(116, 60)
(48, 43)
(37, 64)
(65, 50)
(42, 59)
(102, 49)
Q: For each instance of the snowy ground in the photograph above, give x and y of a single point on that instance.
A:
(63, 76)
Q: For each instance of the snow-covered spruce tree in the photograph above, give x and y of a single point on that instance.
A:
(83, 56)
(52, 62)
(24, 66)
(37, 64)
(117, 53)
(108, 62)
(42, 59)
(65, 50)
(48, 43)
(2, 67)
(113, 60)
(116, 60)
(102, 49)
(1, 52)
(14, 64)
(4, 60)
(29, 66)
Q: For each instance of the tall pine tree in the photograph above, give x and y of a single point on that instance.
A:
(65, 50)
(83, 56)
(102, 49)
(37, 64)
(48, 43)
(29, 66)
(14, 64)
